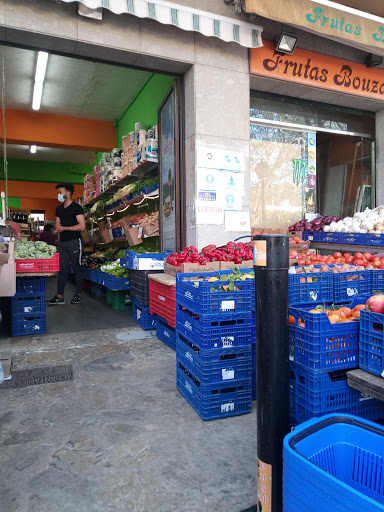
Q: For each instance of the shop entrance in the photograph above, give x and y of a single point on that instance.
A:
(308, 158)
(79, 131)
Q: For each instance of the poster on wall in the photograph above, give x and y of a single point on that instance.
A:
(212, 157)
(169, 172)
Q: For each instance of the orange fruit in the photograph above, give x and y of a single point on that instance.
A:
(291, 320)
(333, 319)
(301, 323)
(315, 311)
(359, 307)
(356, 314)
(347, 312)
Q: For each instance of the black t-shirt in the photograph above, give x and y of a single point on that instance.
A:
(67, 218)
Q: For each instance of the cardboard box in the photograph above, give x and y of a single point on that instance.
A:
(85, 237)
(228, 265)
(132, 235)
(303, 246)
(105, 236)
(189, 268)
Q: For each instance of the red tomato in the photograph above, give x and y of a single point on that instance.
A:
(348, 260)
(342, 260)
(367, 256)
(358, 256)
(301, 262)
(376, 263)
(337, 255)
(314, 258)
(346, 255)
(359, 262)
(382, 266)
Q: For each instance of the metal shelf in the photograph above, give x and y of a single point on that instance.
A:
(140, 172)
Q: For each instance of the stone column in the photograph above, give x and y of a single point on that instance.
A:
(217, 102)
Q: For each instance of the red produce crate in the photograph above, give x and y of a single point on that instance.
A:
(162, 301)
(42, 265)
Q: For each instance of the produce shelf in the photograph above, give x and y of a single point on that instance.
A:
(346, 247)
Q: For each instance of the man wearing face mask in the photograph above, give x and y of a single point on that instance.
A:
(70, 222)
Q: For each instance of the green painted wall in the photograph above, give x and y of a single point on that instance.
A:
(46, 172)
(143, 109)
(12, 201)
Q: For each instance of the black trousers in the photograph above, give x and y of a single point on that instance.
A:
(70, 253)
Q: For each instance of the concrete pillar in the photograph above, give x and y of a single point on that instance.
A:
(217, 101)
(379, 158)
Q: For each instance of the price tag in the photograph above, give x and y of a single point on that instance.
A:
(227, 305)
(228, 374)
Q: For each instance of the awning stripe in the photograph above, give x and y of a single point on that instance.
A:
(169, 13)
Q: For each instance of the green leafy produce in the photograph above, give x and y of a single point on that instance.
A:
(33, 250)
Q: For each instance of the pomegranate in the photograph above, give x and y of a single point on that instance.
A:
(375, 303)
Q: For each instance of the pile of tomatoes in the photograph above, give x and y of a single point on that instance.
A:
(366, 259)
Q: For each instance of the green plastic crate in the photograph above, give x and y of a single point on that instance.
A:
(119, 299)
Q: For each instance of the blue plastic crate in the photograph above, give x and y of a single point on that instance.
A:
(371, 342)
(29, 305)
(334, 463)
(142, 317)
(215, 401)
(127, 262)
(148, 190)
(214, 366)
(319, 345)
(118, 233)
(377, 280)
(30, 285)
(28, 324)
(243, 271)
(165, 333)
(374, 239)
(347, 285)
(352, 238)
(313, 394)
(115, 283)
(203, 297)
(253, 331)
(98, 290)
(310, 287)
(321, 236)
(214, 332)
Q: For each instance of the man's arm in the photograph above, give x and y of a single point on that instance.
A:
(57, 223)
(77, 227)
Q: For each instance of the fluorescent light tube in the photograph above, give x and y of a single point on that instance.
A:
(41, 67)
(37, 93)
(33, 149)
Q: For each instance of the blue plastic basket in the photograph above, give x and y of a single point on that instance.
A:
(118, 233)
(165, 333)
(28, 324)
(98, 290)
(352, 238)
(142, 317)
(374, 239)
(22, 305)
(348, 284)
(321, 236)
(30, 285)
(377, 280)
(252, 281)
(253, 331)
(214, 401)
(319, 345)
(313, 394)
(115, 283)
(214, 366)
(127, 262)
(310, 287)
(148, 190)
(214, 332)
(334, 463)
(203, 297)
(371, 342)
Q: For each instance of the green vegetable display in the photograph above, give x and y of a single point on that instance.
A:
(33, 250)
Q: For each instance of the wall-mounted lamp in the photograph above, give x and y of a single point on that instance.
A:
(372, 60)
(286, 43)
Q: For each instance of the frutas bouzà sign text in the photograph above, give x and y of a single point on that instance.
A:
(318, 70)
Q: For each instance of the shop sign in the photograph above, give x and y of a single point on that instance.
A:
(324, 20)
(318, 70)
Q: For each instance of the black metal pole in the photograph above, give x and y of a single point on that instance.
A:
(271, 260)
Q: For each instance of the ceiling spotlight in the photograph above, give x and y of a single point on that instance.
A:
(33, 149)
(286, 43)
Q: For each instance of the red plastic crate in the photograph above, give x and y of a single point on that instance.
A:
(42, 265)
(162, 301)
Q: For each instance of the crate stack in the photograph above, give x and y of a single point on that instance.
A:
(29, 306)
(140, 298)
(321, 354)
(213, 344)
(162, 303)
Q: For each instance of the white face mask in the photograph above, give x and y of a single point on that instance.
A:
(61, 198)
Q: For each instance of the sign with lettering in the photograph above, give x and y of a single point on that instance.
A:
(324, 20)
(317, 70)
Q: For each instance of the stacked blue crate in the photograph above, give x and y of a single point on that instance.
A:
(29, 306)
(214, 344)
(321, 354)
